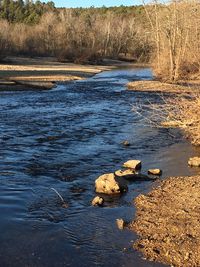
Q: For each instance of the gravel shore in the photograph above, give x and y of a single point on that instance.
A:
(168, 223)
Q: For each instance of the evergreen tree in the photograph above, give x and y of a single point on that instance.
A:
(24, 11)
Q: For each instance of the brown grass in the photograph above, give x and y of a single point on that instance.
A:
(185, 111)
(179, 110)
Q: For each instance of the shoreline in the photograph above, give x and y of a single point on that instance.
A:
(167, 217)
(23, 73)
(167, 222)
(43, 73)
(153, 86)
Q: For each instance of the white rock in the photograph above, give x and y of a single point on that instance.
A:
(120, 224)
(133, 164)
(108, 184)
(171, 124)
(155, 171)
(194, 162)
(97, 201)
(127, 174)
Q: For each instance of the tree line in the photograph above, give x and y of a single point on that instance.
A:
(175, 30)
(24, 11)
(79, 35)
(167, 35)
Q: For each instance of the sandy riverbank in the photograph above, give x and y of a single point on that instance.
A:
(160, 87)
(21, 73)
(167, 222)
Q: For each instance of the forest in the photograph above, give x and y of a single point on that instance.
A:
(24, 12)
(72, 34)
(167, 35)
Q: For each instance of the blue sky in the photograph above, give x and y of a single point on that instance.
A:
(88, 3)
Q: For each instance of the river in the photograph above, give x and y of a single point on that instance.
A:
(64, 139)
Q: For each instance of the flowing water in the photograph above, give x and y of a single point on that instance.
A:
(64, 139)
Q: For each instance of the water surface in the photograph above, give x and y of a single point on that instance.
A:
(64, 139)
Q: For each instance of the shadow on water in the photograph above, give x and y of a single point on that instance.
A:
(64, 139)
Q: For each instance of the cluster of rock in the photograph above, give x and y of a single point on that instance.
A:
(115, 183)
(97, 201)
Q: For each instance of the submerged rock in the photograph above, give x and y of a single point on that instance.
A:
(97, 201)
(133, 164)
(143, 177)
(120, 224)
(65, 205)
(132, 175)
(194, 162)
(126, 143)
(127, 174)
(109, 184)
(155, 172)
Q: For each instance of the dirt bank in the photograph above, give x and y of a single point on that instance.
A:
(20, 73)
(159, 87)
(168, 222)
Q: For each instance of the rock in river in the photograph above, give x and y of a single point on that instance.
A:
(97, 201)
(126, 143)
(127, 173)
(155, 172)
(132, 175)
(120, 224)
(109, 184)
(194, 162)
(133, 164)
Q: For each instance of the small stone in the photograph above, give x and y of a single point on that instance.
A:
(171, 124)
(127, 174)
(97, 201)
(187, 255)
(133, 164)
(126, 143)
(109, 184)
(120, 224)
(155, 172)
(65, 205)
(194, 162)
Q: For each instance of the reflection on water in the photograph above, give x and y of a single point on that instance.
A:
(64, 139)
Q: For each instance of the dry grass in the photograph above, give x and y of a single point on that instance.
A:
(181, 111)
(185, 111)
